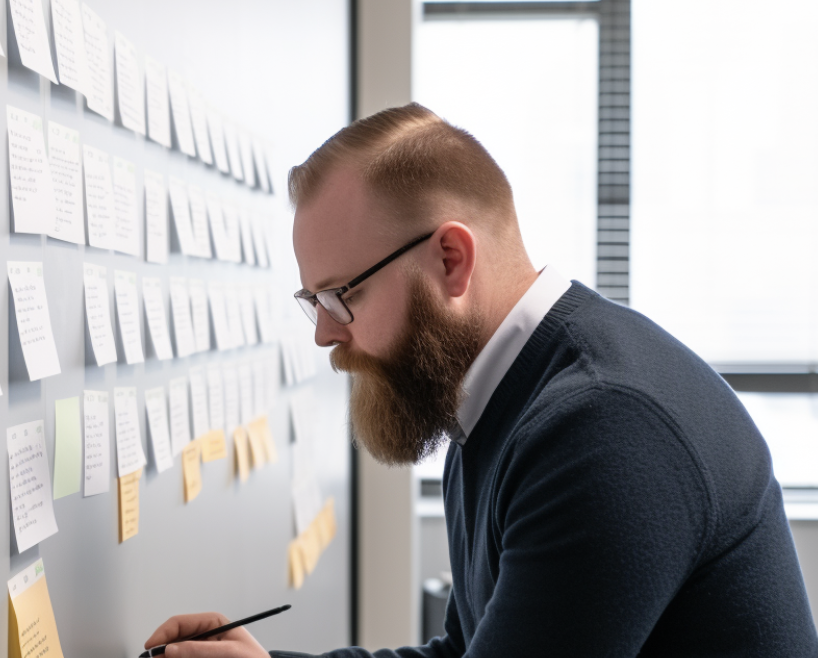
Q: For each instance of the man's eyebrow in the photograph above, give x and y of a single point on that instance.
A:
(326, 283)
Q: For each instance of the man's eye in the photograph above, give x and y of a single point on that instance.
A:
(353, 296)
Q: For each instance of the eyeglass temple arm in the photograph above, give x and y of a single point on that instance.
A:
(387, 260)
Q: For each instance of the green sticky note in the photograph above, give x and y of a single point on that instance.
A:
(68, 451)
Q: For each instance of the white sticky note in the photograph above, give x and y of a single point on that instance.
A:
(233, 309)
(32, 36)
(232, 232)
(246, 393)
(182, 321)
(217, 228)
(33, 319)
(30, 484)
(259, 394)
(198, 119)
(247, 237)
(270, 237)
(130, 89)
(181, 216)
(66, 174)
(272, 169)
(127, 311)
(98, 313)
(157, 410)
(198, 218)
(69, 43)
(246, 150)
(230, 379)
(99, 197)
(156, 82)
(214, 123)
(259, 239)
(224, 339)
(179, 415)
(198, 308)
(265, 318)
(32, 188)
(181, 113)
(157, 317)
(215, 396)
(198, 402)
(100, 91)
(232, 141)
(97, 472)
(261, 165)
(248, 316)
(156, 218)
(126, 221)
(129, 454)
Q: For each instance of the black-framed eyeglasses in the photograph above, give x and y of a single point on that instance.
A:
(331, 298)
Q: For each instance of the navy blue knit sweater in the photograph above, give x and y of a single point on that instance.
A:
(615, 499)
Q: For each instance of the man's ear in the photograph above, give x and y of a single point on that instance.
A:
(455, 248)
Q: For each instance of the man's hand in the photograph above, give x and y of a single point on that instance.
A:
(237, 643)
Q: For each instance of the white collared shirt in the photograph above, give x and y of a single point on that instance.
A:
(494, 360)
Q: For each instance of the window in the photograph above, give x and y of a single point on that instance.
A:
(526, 87)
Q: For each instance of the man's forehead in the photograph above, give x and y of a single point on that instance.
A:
(335, 233)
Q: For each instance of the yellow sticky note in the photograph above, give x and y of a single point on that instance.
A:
(296, 565)
(259, 431)
(213, 445)
(310, 547)
(192, 470)
(257, 449)
(129, 505)
(32, 627)
(242, 456)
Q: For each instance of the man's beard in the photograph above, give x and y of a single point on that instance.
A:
(403, 405)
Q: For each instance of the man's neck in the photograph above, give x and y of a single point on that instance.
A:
(502, 296)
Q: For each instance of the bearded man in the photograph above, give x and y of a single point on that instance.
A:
(605, 492)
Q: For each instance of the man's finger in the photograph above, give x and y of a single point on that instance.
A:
(184, 626)
(226, 649)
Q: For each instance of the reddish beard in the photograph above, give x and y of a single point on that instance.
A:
(403, 405)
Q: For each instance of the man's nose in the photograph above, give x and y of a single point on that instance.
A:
(328, 332)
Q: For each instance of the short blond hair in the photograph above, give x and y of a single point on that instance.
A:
(406, 156)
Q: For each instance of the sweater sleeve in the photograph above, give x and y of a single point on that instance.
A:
(449, 646)
(598, 521)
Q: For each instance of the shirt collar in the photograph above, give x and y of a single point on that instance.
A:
(494, 360)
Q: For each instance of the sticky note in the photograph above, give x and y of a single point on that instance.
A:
(32, 626)
(66, 173)
(181, 113)
(32, 36)
(32, 507)
(127, 310)
(214, 123)
(199, 310)
(126, 222)
(259, 431)
(33, 319)
(231, 397)
(156, 82)
(129, 84)
(129, 453)
(32, 187)
(157, 409)
(310, 548)
(129, 505)
(100, 91)
(180, 206)
(99, 197)
(192, 470)
(97, 443)
(215, 396)
(218, 310)
(198, 219)
(156, 316)
(257, 449)
(68, 447)
(98, 313)
(213, 446)
(296, 564)
(242, 456)
(69, 42)
(246, 237)
(182, 319)
(179, 415)
(156, 217)
(198, 397)
(246, 151)
(198, 120)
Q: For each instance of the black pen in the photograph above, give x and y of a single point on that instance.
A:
(158, 651)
